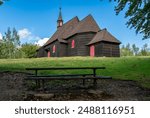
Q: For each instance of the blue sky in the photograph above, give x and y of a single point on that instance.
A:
(36, 19)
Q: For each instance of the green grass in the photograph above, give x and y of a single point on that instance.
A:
(124, 68)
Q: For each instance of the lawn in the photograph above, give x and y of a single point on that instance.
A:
(124, 68)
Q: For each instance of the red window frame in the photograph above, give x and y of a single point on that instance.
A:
(73, 44)
(54, 48)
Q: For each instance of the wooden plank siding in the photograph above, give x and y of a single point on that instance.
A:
(107, 49)
(72, 51)
(62, 50)
(102, 48)
(50, 47)
(41, 52)
(98, 49)
(80, 48)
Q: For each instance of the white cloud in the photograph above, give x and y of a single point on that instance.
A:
(41, 42)
(24, 33)
(1, 36)
(27, 36)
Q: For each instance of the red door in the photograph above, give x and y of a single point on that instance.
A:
(92, 51)
(49, 54)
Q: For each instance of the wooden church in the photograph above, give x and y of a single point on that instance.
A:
(80, 38)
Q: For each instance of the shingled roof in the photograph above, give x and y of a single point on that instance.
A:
(88, 24)
(74, 26)
(104, 35)
(64, 31)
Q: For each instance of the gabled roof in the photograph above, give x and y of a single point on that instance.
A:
(88, 24)
(104, 35)
(64, 31)
(74, 26)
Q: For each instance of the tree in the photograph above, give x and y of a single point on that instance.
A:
(29, 50)
(138, 13)
(126, 50)
(145, 50)
(9, 44)
(2, 1)
(2, 49)
(135, 50)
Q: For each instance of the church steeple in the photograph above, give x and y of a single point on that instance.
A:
(60, 20)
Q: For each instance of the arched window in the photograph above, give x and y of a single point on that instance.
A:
(72, 44)
(54, 48)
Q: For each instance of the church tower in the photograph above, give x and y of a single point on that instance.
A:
(60, 20)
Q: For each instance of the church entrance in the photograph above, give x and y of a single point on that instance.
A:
(49, 54)
(92, 50)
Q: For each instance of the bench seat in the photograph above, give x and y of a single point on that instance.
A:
(64, 75)
(64, 78)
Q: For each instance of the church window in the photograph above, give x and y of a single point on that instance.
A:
(72, 44)
(54, 48)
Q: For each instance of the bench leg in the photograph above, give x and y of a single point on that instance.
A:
(83, 82)
(37, 82)
(95, 82)
(43, 84)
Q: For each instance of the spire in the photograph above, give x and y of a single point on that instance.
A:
(60, 20)
(60, 15)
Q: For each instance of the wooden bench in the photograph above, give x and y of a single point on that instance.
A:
(41, 79)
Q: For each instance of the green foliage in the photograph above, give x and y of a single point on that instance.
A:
(2, 1)
(29, 50)
(10, 47)
(9, 44)
(145, 50)
(138, 12)
(134, 50)
(126, 50)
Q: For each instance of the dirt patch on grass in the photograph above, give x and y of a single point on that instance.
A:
(13, 87)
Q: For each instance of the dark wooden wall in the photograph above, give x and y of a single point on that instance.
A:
(98, 49)
(80, 44)
(50, 47)
(41, 52)
(72, 51)
(62, 49)
(107, 49)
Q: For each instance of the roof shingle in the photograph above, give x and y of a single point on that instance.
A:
(88, 24)
(64, 31)
(103, 35)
